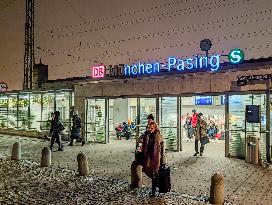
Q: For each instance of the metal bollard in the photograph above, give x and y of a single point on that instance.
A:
(217, 189)
(136, 175)
(83, 167)
(46, 157)
(16, 151)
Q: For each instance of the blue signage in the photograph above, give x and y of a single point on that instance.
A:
(193, 64)
(211, 62)
(203, 100)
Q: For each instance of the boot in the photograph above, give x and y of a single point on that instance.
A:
(60, 148)
(83, 143)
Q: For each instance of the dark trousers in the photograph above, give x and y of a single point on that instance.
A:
(56, 138)
(73, 137)
(201, 145)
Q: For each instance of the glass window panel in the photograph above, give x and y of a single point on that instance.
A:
(237, 126)
(47, 109)
(23, 111)
(168, 121)
(147, 106)
(96, 120)
(35, 111)
(12, 111)
(3, 111)
(62, 105)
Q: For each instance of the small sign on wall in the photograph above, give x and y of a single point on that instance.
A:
(3, 87)
(98, 71)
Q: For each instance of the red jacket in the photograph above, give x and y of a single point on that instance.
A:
(194, 120)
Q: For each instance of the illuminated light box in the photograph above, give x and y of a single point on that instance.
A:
(203, 100)
(98, 71)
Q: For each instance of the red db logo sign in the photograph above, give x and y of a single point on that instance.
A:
(98, 71)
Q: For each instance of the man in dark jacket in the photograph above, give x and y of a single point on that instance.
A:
(200, 134)
(56, 128)
(75, 132)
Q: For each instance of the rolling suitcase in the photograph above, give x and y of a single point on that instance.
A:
(164, 180)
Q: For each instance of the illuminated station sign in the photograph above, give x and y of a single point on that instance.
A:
(208, 63)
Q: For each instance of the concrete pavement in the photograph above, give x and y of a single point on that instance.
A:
(244, 183)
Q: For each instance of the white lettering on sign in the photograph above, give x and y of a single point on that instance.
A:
(98, 71)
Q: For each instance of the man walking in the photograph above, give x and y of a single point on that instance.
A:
(56, 128)
(200, 134)
(76, 130)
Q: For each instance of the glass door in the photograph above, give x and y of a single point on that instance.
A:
(147, 106)
(168, 110)
(96, 120)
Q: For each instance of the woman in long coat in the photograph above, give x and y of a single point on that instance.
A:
(153, 154)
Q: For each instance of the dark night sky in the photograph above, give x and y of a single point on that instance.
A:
(71, 36)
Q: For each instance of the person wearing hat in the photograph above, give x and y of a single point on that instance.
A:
(153, 152)
(200, 134)
(56, 128)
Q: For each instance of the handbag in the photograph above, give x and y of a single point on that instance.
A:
(205, 140)
(164, 179)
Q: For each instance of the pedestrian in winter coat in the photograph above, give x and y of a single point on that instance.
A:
(76, 130)
(200, 134)
(56, 128)
(153, 154)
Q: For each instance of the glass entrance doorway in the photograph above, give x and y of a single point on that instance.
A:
(213, 110)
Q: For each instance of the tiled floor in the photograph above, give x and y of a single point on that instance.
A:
(244, 183)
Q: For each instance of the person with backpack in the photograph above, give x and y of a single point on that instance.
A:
(76, 130)
(55, 131)
(153, 149)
